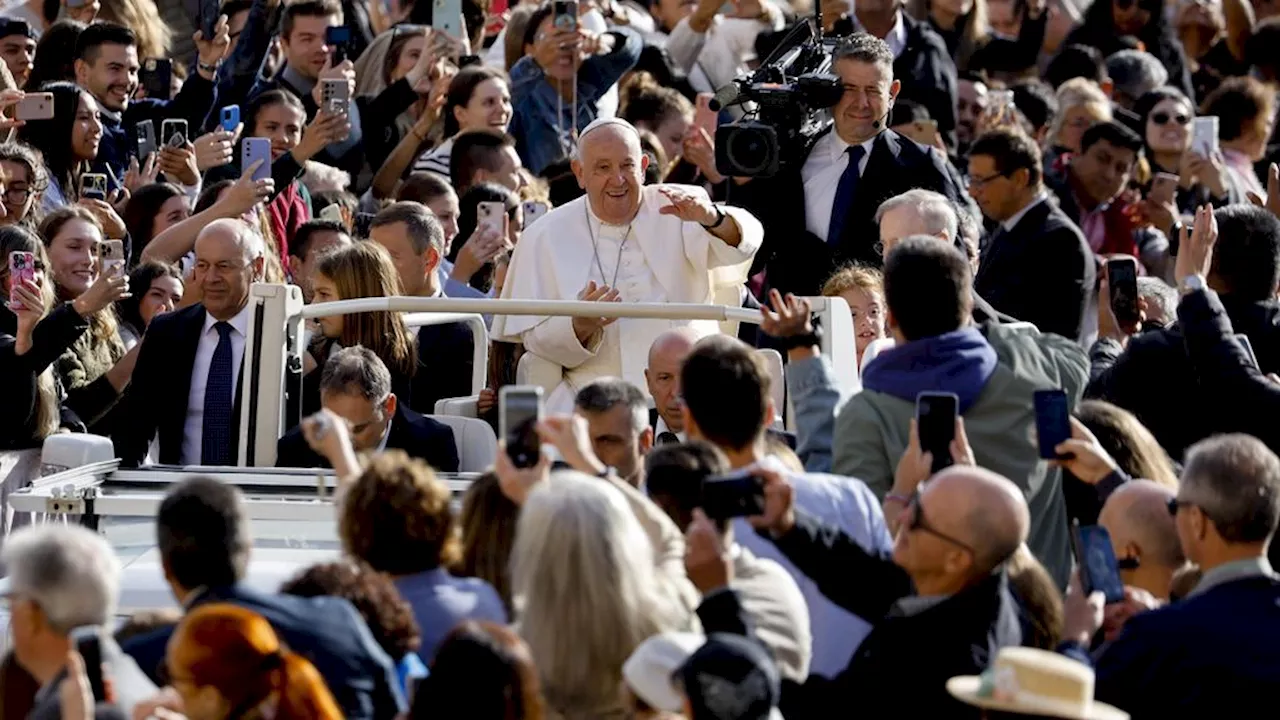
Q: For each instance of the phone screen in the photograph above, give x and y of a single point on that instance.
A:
(936, 425)
(93, 186)
(1122, 280)
(519, 410)
(1053, 421)
(88, 642)
(733, 495)
(174, 132)
(1099, 571)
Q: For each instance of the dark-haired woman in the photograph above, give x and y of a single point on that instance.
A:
(470, 253)
(156, 289)
(24, 186)
(479, 98)
(68, 141)
(151, 210)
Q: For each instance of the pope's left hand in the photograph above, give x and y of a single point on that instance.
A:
(689, 203)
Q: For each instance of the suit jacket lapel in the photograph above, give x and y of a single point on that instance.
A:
(171, 432)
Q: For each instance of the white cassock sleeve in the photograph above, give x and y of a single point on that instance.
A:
(555, 340)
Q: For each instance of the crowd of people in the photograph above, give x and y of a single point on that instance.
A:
(981, 195)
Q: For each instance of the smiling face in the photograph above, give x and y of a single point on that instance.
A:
(869, 90)
(867, 309)
(111, 76)
(611, 170)
(86, 132)
(73, 256)
(1168, 126)
(489, 107)
(1104, 170)
(163, 296)
(305, 49)
(283, 125)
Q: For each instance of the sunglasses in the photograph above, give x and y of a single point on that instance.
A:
(1162, 118)
(918, 523)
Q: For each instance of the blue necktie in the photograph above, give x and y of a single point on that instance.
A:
(215, 442)
(844, 194)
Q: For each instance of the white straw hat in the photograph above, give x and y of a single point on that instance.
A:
(1034, 682)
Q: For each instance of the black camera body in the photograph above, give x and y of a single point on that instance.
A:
(791, 91)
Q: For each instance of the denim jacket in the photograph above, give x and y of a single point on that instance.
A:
(534, 101)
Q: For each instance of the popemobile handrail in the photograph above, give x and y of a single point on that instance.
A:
(572, 308)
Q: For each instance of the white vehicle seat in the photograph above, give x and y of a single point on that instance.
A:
(778, 383)
(476, 441)
(467, 407)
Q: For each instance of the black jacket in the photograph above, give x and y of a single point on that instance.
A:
(1042, 271)
(798, 261)
(1155, 379)
(156, 399)
(446, 360)
(50, 338)
(325, 630)
(909, 655)
(420, 437)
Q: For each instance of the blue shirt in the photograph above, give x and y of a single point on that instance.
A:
(534, 101)
(441, 601)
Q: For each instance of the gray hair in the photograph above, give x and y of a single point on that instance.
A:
(249, 240)
(357, 371)
(69, 572)
(421, 225)
(864, 47)
(1135, 73)
(605, 394)
(934, 210)
(1235, 480)
(1159, 295)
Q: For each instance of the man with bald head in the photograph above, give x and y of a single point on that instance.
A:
(1143, 535)
(940, 603)
(622, 241)
(666, 355)
(189, 368)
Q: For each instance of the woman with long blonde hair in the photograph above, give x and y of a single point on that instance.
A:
(587, 592)
(143, 18)
(362, 270)
(227, 662)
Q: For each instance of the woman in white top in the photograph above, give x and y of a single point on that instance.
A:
(478, 98)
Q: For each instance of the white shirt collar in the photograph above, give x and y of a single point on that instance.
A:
(897, 37)
(661, 427)
(1013, 220)
(836, 146)
(239, 323)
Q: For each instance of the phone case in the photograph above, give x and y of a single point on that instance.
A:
(94, 186)
(147, 144)
(36, 106)
(335, 95)
(22, 266)
(113, 258)
(174, 132)
(1204, 135)
(230, 117)
(533, 210)
(252, 150)
(489, 214)
(446, 16)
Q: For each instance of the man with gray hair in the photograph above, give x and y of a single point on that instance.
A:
(63, 577)
(1134, 73)
(1215, 653)
(184, 386)
(617, 415)
(355, 388)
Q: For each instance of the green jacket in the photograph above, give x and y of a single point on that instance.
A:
(871, 431)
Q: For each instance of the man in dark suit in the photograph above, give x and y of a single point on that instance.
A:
(1038, 267)
(1216, 653)
(204, 542)
(844, 177)
(188, 372)
(356, 385)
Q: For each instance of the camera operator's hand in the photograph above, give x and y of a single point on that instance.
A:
(137, 176)
(1108, 325)
(245, 193)
(779, 502)
(706, 558)
(1114, 616)
(28, 304)
(74, 694)
(216, 148)
(104, 291)
(1082, 615)
(345, 70)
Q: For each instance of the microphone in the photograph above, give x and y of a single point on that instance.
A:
(880, 123)
(725, 96)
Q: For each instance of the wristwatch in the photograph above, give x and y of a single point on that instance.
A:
(1191, 283)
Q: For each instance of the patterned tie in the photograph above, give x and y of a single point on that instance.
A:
(215, 443)
(844, 194)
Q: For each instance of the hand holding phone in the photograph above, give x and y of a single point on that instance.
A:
(87, 640)
(1096, 559)
(253, 149)
(35, 106)
(113, 260)
(22, 269)
(1122, 284)
(936, 414)
(736, 494)
(174, 132)
(519, 411)
(493, 215)
(231, 118)
(1053, 421)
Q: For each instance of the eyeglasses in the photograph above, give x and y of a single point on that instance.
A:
(979, 182)
(17, 196)
(1162, 118)
(918, 523)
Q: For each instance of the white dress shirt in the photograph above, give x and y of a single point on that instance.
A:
(821, 174)
(1016, 218)
(661, 427)
(193, 429)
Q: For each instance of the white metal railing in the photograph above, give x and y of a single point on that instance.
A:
(279, 316)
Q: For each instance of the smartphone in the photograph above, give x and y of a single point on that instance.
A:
(1001, 110)
(252, 150)
(35, 106)
(566, 15)
(491, 213)
(737, 494)
(174, 132)
(1053, 421)
(230, 118)
(1096, 560)
(446, 17)
(87, 641)
(338, 37)
(533, 209)
(336, 95)
(93, 186)
(147, 145)
(1122, 279)
(1243, 341)
(22, 266)
(156, 77)
(210, 10)
(936, 425)
(113, 262)
(1164, 186)
(519, 411)
(1204, 135)
(703, 116)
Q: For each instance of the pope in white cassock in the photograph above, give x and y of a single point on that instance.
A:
(627, 242)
